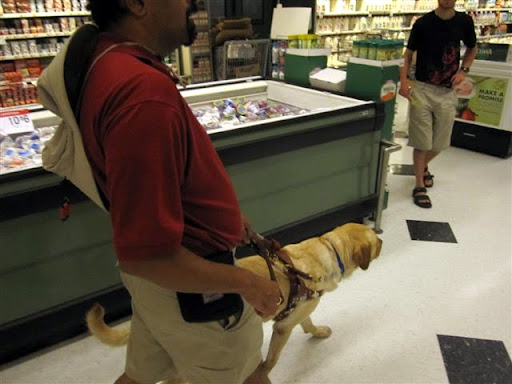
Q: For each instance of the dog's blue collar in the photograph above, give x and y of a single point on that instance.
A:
(340, 262)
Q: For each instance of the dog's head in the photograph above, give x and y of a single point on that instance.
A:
(359, 243)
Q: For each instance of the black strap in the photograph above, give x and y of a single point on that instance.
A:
(78, 59)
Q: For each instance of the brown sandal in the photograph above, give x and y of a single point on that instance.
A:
(421, 198)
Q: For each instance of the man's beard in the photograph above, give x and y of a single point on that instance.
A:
(191, 25)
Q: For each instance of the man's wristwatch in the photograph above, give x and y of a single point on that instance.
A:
(464, 69)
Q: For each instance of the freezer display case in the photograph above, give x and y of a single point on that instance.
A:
(301, 161)
(484, 116)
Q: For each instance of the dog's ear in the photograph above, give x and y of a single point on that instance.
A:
(362, 256)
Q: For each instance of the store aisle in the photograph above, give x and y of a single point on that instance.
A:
(426, 311)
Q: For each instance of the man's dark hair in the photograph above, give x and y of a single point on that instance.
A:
(104, 13)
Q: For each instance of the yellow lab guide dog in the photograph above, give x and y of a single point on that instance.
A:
(327, 259)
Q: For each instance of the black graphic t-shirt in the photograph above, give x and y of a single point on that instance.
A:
(437, 43)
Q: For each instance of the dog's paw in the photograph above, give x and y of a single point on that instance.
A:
(321, 332)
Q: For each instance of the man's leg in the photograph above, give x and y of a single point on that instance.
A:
(429, 156)
(428, 178)
(419, 158)
(420, 196)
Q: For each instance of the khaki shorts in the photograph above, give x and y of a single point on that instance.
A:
(431, 116)
(162, 344)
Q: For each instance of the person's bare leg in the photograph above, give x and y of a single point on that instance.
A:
(259, 376)
(427, 176)
(124, 379)
(419, 158)
(420, 196)
(429, 156)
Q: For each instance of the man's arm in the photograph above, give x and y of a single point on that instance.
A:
(467, 60)
(469, 56)
(185, 271)
(405, 90)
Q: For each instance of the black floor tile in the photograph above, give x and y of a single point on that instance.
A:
(475, 361)
(431, 231)
(402, 169)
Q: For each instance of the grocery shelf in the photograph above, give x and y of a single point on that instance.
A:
(34, 35)
(397, 29)
(371, 13)
(345, 13)
(31, 107)
(341, 50)
(29, 56)
(349, 32)
(489, 10)
(494, 36)
(399, 12)
(492, 24)
(43, 14)
(28, 80)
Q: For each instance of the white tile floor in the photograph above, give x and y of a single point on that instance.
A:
(384, 320)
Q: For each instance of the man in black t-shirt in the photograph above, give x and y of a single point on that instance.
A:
(436, 39)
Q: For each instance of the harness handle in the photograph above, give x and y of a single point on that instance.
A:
(256, 241)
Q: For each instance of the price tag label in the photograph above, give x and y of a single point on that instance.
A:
(15, 122)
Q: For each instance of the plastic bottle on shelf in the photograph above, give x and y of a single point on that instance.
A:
(363, 24)
(372, 49)
(363, 49)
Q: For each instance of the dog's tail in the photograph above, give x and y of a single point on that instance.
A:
(104, 333)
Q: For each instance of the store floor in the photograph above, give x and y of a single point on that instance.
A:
(434, 308)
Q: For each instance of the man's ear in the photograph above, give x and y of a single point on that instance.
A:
(362, 256)
(136, 7)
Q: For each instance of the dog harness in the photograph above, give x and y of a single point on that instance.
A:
(270, 251)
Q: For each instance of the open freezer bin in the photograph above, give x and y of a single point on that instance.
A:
(296, 175)
(308, 164)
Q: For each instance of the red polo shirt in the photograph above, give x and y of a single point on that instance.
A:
(153, 161)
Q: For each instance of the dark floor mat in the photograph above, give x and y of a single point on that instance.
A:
(431, 231)
(475, 361)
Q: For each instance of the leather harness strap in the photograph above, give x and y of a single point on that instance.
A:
(270, 251)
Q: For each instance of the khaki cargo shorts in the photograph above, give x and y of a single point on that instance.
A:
(162, 344)
(431, 115)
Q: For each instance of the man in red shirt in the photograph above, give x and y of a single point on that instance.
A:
(172, 206)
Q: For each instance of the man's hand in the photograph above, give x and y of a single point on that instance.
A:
(405, 91)
(264, 295)
(246, 229)
(458, 78)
